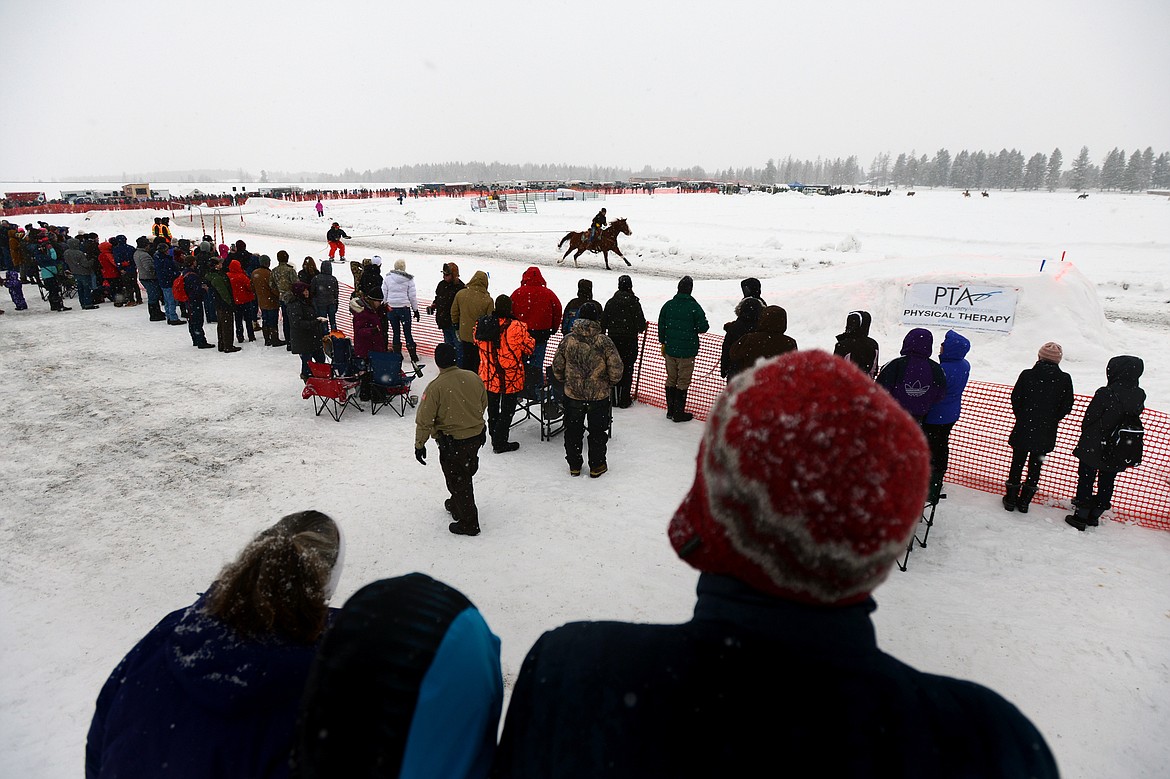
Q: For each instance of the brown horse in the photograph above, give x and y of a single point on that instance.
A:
(606, 243)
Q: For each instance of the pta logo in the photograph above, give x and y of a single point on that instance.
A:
(957, 296)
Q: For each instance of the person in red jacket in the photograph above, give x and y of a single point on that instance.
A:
(245, 299)
(537, 306)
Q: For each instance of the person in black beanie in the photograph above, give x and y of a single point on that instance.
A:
(623, 321)
(451, 410)
(680, 322)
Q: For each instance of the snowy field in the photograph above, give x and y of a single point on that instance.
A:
(136, 466)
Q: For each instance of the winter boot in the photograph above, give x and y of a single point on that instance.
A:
(1080, 517)
(267, 335)
(251, 331)
(1094, 516)
(1026, 494)
(460, 529)
(276, 337)
(671, 402)
(413, 353)
(680, 412)
(1012, 496)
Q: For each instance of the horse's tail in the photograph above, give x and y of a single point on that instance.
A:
(567, 237)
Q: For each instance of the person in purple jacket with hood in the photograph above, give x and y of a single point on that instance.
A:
(214, 688)
(916, 381)
(943, 415)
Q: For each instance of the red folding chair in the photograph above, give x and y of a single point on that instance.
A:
(334, 395)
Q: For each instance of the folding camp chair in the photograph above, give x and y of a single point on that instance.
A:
(927, 520)
(389, 384)
(330, 394)
(540, 400)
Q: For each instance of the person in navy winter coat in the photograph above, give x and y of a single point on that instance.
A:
(214, 689)
(856, 345)
(943, 415)
(1042, 396)
(916, 381)
(407, 684)
(809, 482)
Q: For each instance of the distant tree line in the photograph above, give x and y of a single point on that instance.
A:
(1005, 169)
(983, 170)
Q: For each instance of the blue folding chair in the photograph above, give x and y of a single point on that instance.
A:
(389, 384)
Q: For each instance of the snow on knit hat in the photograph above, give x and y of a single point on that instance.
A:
(376, 260)
(1051, 352)
(809, 482)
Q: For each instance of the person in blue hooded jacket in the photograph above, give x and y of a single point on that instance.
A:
(214, 688)
(406, 684)
(943, 415)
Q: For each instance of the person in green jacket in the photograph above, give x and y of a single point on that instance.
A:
(451, 410)
(679, 324)
(225, 305)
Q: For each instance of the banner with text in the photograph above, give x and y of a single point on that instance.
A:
(960, 306)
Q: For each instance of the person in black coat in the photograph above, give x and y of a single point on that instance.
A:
(623, 321)
(778, 673)
(855, 344)
(1043, 396)
(747, 318)
(769, 339)
(752, 288)
(304, 331)
(1120, 397)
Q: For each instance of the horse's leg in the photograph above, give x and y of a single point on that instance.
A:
(605, 256)
(618, 252)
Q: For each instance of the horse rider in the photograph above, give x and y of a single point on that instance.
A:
(599, 222)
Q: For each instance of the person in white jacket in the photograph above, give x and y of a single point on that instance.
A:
(399, 294)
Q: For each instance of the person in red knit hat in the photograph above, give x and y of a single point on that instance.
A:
(809, 483)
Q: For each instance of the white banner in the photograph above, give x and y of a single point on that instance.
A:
(960, 306)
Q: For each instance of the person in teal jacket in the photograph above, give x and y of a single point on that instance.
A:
(407, 683)
(679, 324)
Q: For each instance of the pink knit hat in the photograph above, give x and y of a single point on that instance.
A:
(809, 482)
(1051, 352)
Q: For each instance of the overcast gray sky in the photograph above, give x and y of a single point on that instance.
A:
(105, 87)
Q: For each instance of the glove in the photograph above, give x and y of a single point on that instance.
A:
(420, 454)
(416, 317)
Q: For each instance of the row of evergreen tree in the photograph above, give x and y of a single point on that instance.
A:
(980, 170)
(1005, 169)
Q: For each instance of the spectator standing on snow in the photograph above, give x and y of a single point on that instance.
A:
(197, 292)
(325, 292)
(283, 277)
(588, 363)
(445, 293)
(468, 305)
(504, 345)
(451, 410)
(1042, 396)
(1120, 397)
(752, 288)
(144, 262)
(680, 322)
(303, 328)
(82, 268)
(320, 208)
(855, 344)
(245, 301)
(747, 318)
(225, 306)
(943, 415)
(788, 560)
(214, 688)
(916, 381)
(584, 293)
(539, 308)
(769, 339)
(401, 297)
(268, 302)
(623, 321)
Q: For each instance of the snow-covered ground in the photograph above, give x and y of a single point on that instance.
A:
(136, 465)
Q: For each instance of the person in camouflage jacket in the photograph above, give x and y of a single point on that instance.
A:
(589, 365)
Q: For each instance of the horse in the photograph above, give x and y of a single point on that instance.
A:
(984, 193)
(1083, 196)
(606, 242)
